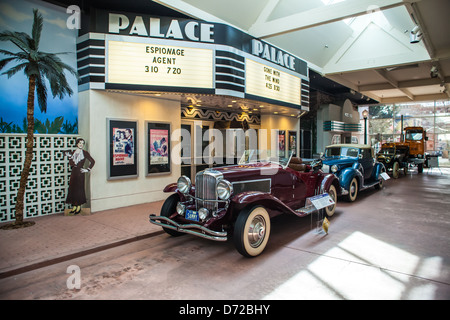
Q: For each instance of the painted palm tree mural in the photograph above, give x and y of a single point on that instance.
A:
(17, 15)
(39, 68)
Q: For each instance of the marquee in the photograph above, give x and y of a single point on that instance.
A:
(137, 52)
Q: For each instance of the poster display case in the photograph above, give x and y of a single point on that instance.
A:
(122, 161)
(158, 148)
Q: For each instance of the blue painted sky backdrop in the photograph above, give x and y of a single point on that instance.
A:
(17, 15)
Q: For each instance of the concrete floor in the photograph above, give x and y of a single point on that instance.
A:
(390, 244)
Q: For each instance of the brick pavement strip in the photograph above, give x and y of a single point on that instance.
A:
(57, 238)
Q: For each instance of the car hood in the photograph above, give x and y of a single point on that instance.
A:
(384, 155)
(246, 171)
(339, 161)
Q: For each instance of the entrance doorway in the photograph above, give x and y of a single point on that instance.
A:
(193, 146)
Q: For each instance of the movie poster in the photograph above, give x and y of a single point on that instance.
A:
(293, 142)
(123, 146)
(122, 152)
(159, 147)
(282, 143)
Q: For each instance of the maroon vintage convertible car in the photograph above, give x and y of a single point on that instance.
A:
(240, 200)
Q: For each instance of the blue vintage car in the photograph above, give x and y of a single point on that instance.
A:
(355, 166)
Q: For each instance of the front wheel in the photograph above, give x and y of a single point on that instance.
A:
(168, 208)
(333, 195)
(395, 169)
(353, 190)
(252, 231)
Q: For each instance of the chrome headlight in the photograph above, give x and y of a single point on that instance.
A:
(334, 168)
(180, 208)
(203, 213)
(184, 184)
(224, 189)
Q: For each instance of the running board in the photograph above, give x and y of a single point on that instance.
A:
(305, 211)
(369, 185)
(314, 204)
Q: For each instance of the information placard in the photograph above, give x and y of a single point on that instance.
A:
(159, 65)
(321, 201)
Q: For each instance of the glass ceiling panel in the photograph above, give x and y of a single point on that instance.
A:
(288, 7)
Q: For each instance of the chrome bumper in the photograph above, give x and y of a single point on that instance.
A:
(194, 229)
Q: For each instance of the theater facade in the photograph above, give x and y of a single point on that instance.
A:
(164, 96)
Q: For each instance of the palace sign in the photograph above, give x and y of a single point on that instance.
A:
(149, 53)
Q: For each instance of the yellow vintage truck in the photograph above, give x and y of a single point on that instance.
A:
(415, 138)
(400, 155)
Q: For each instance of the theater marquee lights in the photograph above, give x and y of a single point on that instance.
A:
(128, 51)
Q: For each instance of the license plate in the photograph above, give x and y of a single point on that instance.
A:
(191, 215)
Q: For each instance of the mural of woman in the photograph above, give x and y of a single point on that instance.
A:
(76, 195)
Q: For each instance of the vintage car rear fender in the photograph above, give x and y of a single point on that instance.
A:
(243, 199)
(377, 170)
(347, 175)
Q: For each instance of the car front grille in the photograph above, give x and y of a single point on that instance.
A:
(205, 189)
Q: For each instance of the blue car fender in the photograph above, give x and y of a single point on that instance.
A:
(377, 170)
(347, 175)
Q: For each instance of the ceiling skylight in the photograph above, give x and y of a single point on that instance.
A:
(329, 2)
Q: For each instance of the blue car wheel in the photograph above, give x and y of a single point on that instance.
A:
(353, 190)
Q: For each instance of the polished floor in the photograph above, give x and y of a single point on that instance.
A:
(390, 244)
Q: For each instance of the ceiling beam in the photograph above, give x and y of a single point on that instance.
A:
(321, 15)
(418, 98)
(403, 84)
(394, 83)
(339, 79)
(266, 11)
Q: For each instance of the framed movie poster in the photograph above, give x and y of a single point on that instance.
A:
(122, 149)
(158, 148)
(293, 142)
(282, 143)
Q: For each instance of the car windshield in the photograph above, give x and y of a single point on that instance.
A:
(387, 151)
(341, 151)
(414, 134)
(252, 156)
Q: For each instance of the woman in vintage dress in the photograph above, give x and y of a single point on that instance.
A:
(76, 195)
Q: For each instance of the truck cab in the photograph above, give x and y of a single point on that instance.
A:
(415, 138)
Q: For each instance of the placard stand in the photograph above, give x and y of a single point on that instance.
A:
(322, 223)
(320, 202)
